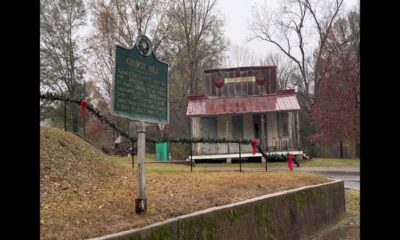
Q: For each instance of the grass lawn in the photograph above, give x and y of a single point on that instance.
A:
(85, 194)
(152, 167)
(315, 162)
(331, 162)
(95, 210)
(321, 162)
(349, 227)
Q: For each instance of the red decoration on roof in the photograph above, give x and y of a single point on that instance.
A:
(260, 80)
(219, 81)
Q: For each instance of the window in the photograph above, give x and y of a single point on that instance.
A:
(283, 124)
(237, 126)
(209, 127)
(257, 126)
(250, 88)
(208, 84)
(230, 88)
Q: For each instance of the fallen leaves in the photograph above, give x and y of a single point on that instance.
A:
(100, 197)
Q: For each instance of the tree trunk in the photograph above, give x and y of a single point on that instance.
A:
(341, 148)
(312, 150)
(65, 115)
(357, 150)
(192, 82)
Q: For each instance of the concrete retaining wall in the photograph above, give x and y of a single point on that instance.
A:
(293, 214)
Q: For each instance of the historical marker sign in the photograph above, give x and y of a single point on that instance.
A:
(140, 84)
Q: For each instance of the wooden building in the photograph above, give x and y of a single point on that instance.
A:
(244, 103)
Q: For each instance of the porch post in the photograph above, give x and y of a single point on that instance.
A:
(298, 128)
(262, 132)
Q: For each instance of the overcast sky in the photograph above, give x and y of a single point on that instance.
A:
(237, 14)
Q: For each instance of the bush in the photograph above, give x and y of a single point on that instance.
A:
(150, 147)
(179, 151)
(277, 158)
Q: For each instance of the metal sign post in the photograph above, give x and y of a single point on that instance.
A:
(141, 201)
(140, 85)
(161, 127)
(140, 92)
(133, 155)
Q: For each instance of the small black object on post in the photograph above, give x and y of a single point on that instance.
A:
(140, 205)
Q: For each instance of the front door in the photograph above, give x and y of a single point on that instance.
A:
(257, 119)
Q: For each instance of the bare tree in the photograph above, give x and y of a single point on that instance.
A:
(186, 34)
(292, 29)
(241, 56)
(61, 58)
(340, 85)
(285, 70)
(198, 38)
(120, 22)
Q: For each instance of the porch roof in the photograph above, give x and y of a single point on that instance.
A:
(284, 100)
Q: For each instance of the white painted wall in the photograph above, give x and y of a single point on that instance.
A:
(225, 131)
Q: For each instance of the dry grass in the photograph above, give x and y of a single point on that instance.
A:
(86, 194)
(332, 162)
(349, 227)
(321, 162)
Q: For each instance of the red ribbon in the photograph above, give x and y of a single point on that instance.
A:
(84, 108)
(254, 143)
(290, 162)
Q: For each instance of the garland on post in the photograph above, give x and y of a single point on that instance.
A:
(262, 152)
(54, 97)
(199, 140)
(84, 108)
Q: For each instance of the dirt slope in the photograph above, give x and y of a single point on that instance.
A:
(67, 161)
(71, 171)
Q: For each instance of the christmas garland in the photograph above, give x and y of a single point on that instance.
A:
(200, 140)
(262, 152)
(54, 97)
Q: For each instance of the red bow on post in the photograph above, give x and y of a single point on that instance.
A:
(254, 143)
(290, 162)
(84, 108)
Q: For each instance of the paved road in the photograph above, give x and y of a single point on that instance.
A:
(351, 177)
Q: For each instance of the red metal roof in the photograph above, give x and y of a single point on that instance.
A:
(238, 69)
(285, 100)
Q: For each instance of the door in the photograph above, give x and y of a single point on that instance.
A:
(258, 130)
